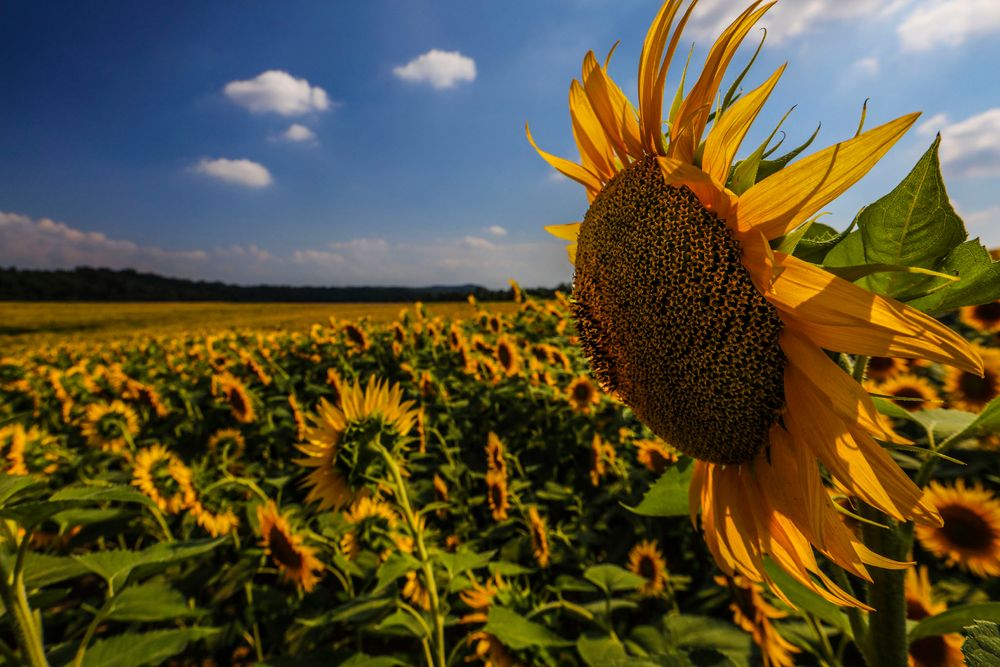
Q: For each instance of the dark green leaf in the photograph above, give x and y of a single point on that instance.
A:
(600, 651)
(115, 566)
(610, 578)
(806, 600)
(517, 632)
(980, 280)
(945, 423)
(154, 601)
(954, 619)
(508, 569)
(462, 560)
(669, 495)
(12, 485)
(982, 645)
(818, 240)
(401, 621)
(119, 493)
(148, 648)
(689, 631)
(394, 567)
(363, 660)
(44, 570)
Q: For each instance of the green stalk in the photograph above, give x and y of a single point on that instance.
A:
(418, 538)
(859, 626)
(886, 640)
(29, 634)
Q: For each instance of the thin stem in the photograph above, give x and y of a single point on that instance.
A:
(28, 632)
(428, 656)
(824, 642)
(859, 626)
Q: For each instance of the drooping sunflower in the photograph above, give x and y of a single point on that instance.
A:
(918, 391)
(655, 455)
(496, 494)
(602, 454)
(508, 356)
(490, 651)
(109, 425)
(373, 524)
(495, 458)
(646, 560)
(714, 339)
(29, 451)
(221, 521)
(970, 535)
(985, 317)
(968, 391)
(937, 651)
(479, 597)
(296, 561)
(228, 441)
(164, 478)
(234, 392)
(355, 337)
(377, 400)
(539, 537)
(415, 591)
(754, 615)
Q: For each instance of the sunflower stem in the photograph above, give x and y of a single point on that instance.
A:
(859, 626)
(26, 624)
(418, 537)
(886, 639)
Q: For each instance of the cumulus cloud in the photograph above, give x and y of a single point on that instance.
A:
(496, 230)
(240, 172)
(276, 91)
(298, 133)
(934, 23)
(971, 147)
(866, 66)
(476, 242)
(441, 69)
(933, 125)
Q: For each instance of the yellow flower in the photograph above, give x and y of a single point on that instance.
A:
(937, 651)
(715, 340)
(490, 651)
(970, 536)
(495, 454)
(296, 561)
(909, 386)
(215, 524)
(479, 598)
(29, 451)
(163, 478)
(985, 317)
(881, 369)
(646, 560)
(109, 425)
(230, 438)
(378, 400)
(508, 356)
(415, 591)
(754, 615)
(496, 494)
(539, 537)
(370, 520)
(969, 391)
(655, 455)
(235, 393)
(601, 454)
(355, 337)
(582, 394)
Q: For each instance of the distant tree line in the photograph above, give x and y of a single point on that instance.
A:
(98, 284)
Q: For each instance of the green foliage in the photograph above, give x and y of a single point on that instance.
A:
(517, 632)
(135, 649)
(981, 647)
(669, 496)
(954, 619)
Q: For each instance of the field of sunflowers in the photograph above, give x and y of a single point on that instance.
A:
(423, 491)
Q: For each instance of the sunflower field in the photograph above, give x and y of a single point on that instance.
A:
(426, 491)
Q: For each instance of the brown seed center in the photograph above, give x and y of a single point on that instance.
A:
(671, 320)
(966, 529)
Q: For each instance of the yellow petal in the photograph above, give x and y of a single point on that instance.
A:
(567, 232)
(652, 73)
(781, 202)
(578, 173)
(595, 151)
(692, 117)
(571, 251)
(728, 132)
(711, 195)
(612, 109)
(838, 315)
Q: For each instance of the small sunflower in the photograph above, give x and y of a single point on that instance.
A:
(416, 592)
(228, 442)
(300, 422)
(355, 337)
(479, 597)
(582, 394)
(495, 458)
(880, 369)
(496, 494)
(601, 455)
(938, 651)
(754, 615)
(163, 478)
(655, 455)
(985, 317)
(490, 651)
(296, 561)
(235, 394)
(109, 426)
(919, 392)
(731, 368)
(969, 391)
(646, 560)
(508, 356)
(539, 537)
(373, 526)
(970, 536)
(440, 493)
(217, 523)
(30, 451)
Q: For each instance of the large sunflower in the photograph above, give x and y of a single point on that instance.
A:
(970, 535)
(296, 561)
(715, 340)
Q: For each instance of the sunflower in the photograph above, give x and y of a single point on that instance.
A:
(355, 337)
(371, 521)
(490, 651)
(754, 615)
(300, 422)
(496, 494)
(335, 382)
(440, 493)
(235, 393)
(655, 455)
(507, 356)
(646, 560)
(970, 536)
(163, 478)
(29, 451)
(415, 591)
(881, 369)
(582, 394)
(495, 459)
(715, 340)
(109, 426)
(539, 537)
(479, 597)
(296, 561)
(969, 391)
(601, 455)
(918, 392)
(985, 317)
(222, 522)
(228, 441)
(938, 651)
(378, 400)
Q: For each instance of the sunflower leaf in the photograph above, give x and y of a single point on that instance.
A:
(669, 495)
(954, 619)
(610, 578)
(981, 647)
(806, 600)
(986, 422)
(147, 648)
(517, 632)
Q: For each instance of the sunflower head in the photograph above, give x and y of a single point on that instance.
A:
(163, 478)
(110, 426)
(910, 392)
(496, 494)
(646, 560)
(972, 391)
(495, 459)
(582, 394)
(508, 356)
(985, 317)
(539, 537)
(932, 651)
(970, 535)
(296, 561)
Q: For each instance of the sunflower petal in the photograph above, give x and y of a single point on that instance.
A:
(728, 132)
(711, 195)
(578, 173)
(788, 198)
(838, 315)
(567, 232)
(595, 151)
(571, 251)
(612, 109)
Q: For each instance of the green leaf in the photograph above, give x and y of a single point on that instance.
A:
(12, 485)
(600, 651)
(887, 407)
(148, 648)
(981, 647)
(364, 660)
(154, 601)
(806, 600)
(689, 631)
(669, 495)
(508, 569)
(945, 423)
(610, 578)
(394, 567)
(463, 560)
(31, 514)
(44, 570)
(954, 619)
(980, 280)
(115, 566)
(119, 493)
(401, 620)
(859, 271)
(818, 240)
(516, 632)
(985, 423)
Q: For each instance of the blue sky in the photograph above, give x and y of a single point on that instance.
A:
(382, 142)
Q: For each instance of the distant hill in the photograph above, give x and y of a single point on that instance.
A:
(95, 284)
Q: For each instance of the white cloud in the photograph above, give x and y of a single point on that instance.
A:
(933, 23)
(476, 242)
(986, 220)
(441, 69)
(972, 147)
(278, 92)
(298, 133)
(241, 172)
(932, 125)
(866, 66)
(496, 230)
